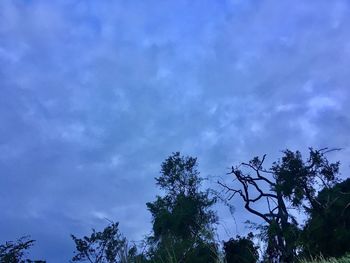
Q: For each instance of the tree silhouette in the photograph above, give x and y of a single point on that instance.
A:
(15, 252)
(290, 181)
(327, 232)
(182, 219)
(107, 246)
(241, 249)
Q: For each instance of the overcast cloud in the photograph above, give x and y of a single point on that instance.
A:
(94, 95)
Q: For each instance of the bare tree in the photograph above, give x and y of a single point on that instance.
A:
(290, 181)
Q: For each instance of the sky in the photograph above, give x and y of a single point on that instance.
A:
(94, 95)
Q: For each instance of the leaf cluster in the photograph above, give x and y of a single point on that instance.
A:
(241, 249)
(16, 251)
(107, 246)
(182, 219)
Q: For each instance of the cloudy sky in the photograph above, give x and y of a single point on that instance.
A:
(94, 95)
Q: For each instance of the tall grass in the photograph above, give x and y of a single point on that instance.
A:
(321, 259)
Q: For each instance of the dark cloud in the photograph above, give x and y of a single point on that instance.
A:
(94, 96)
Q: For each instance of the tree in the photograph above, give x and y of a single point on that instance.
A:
(182, 219)
(300, 181)
(290, 181)
(241, 249)
(108, 246)
(331, 224)
(15, 252)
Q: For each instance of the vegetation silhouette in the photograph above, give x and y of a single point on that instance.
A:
(327, 231)
(16, 251)
(107, 246)
(184, 222)
(290, 183)
(241, 249)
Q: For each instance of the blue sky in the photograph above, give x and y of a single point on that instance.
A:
(94, 95)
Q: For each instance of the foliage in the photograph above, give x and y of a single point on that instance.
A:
(182, 219)
(299, 180)
(183, 222)
(330, 224)
(290, 180)
(241, 249)
(15, 252)
(321, 259)
(108, 246)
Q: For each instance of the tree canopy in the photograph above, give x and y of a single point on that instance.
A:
(16, 251)
(182, 219)
(241, 249)
(327, 232)
(290, 181)
(107, 246)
